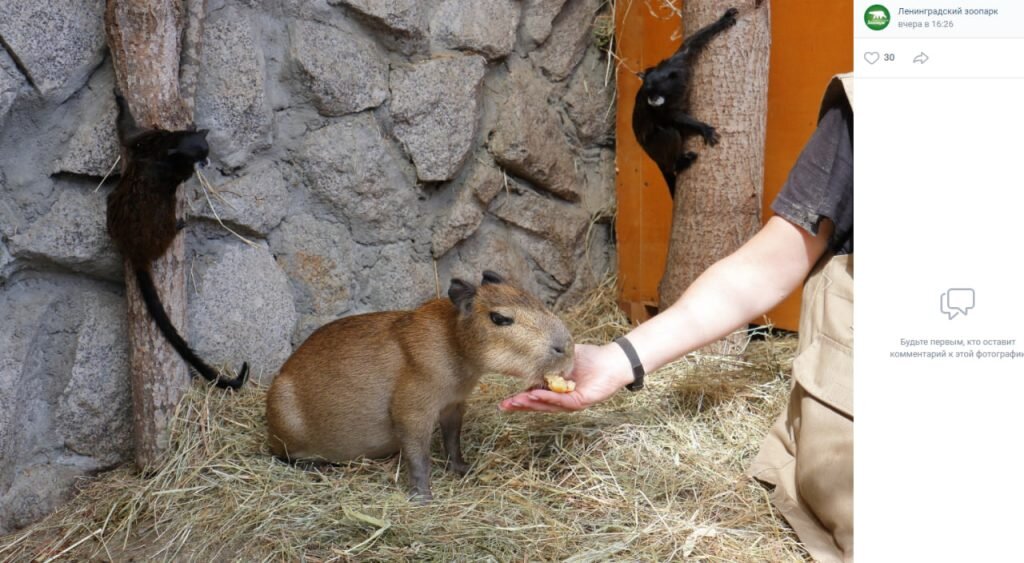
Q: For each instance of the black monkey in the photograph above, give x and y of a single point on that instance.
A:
(141, 214)
(661, 119)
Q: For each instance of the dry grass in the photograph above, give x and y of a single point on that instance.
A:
(652, 476)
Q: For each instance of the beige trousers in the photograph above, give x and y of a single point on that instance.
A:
(808, 454)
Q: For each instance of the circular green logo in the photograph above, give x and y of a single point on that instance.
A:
(877, 17)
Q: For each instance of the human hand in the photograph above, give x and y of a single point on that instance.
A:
(599, 371)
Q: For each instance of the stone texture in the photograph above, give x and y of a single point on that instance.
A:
(599, 198)
(287, 10)
(527, 139)
(231, 100)
(491, 248)
(560, 222)
(93, 148)
(72, 235)
(10, 82)
(8, 227)
(5, 260)
(486, 180)
(9, 217)
(17, 402)
(460, 220)
(399, 278)
(590, 100)
(256, 201)
(404, 20)
(93, 415)
(318, 258)
(594, 267)
(58, 42)
(569, 37)
(435, 108)
(538, 15)
(343, 70)
(551, 232)
(554, 259)
(480, 183)
(487, 27)
(240, 309)
(38, 490)
(350, 166)
(63, 392)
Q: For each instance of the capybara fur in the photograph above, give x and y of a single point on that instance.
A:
(370, 385)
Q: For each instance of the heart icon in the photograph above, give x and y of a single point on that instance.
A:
(871, 57)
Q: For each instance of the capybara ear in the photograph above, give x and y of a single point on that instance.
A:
(462, 294)
(491, 277)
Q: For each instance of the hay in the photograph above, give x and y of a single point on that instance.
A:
(652, 476)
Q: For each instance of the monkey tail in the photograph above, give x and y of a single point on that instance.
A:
(156, 310)
(670, 181)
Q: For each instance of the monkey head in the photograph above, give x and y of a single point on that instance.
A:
(173, 154)
(663, 83)
(183, 151)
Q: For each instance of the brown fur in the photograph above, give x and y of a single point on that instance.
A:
(373, 384)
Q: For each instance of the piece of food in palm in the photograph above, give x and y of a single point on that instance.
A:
(559, 384)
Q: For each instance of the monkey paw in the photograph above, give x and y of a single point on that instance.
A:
(711, 137)
(732, 13)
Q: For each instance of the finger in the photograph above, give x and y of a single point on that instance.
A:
(525, 402)
(541, 395)
(509, 403)
(567, 401)
(536, 406)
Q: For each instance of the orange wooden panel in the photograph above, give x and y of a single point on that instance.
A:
(646, 32)
(811, 41)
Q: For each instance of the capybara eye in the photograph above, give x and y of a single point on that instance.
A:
(500, 320)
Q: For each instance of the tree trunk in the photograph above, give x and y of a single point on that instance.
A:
(145, 40)
(718, 199)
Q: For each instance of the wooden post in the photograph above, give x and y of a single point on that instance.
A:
(645, 33)
(145, 40)
(718, 199)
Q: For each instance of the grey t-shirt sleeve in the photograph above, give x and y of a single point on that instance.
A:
(820, 185)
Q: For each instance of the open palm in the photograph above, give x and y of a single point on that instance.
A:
(599, 372)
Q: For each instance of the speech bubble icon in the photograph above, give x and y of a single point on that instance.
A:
(957, 300)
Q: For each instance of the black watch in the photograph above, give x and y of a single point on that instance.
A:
(634, 361)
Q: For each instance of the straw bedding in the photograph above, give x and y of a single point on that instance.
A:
(653, 476)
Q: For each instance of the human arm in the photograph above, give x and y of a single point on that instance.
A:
(736, 289)
(814, 212)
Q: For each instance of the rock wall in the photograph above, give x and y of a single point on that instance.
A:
(370, 151)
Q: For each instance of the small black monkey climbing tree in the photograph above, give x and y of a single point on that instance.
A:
(145, 39)
(717, 205)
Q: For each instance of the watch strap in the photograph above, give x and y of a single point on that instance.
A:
(634, 361)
